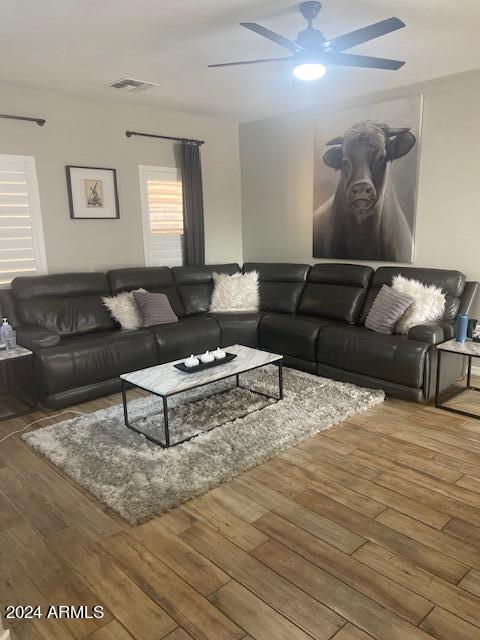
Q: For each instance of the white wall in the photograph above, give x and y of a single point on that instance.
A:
(92, 133)
(277, 179)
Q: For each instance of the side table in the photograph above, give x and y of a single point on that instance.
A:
(468, 349)
(18, 384)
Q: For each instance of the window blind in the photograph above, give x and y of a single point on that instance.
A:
(165, 206)
(162, 210)
(22, 250)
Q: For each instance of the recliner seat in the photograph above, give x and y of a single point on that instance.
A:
(80, 361)
(238, 328)
(332, 294)
(281, 287)
(294, 336)
(190, 335)
(359, 350)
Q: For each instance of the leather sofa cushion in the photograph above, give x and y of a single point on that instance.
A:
(153, 279)
(393, 358)
(34, 338)
(66, 316)
(238, 328)
(84, 360)
(196, 285)
(187, 336)
(291, 335)
(452, 284)
(281, 285)
(68, 304)
(352, 275)
(469, 299)
(25, 288)
(336, 291)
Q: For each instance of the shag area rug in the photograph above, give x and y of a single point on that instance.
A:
(140, 480)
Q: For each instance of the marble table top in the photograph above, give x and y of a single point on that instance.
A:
(468, 348)
(165, 379)
(18, 352)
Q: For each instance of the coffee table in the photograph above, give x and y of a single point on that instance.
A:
(467, 349)
(164, 380)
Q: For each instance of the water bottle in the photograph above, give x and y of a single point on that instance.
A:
(7, 334)
(461, 328)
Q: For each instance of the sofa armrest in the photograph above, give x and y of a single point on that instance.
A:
(449, 327)
(432, 333)
(469, 298)
(34, 338)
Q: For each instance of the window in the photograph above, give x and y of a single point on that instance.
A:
(162, 210)
(22, 249)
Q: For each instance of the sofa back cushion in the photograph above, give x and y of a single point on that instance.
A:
(69, 304)
(195, 285)
(452, 284)
(336, 291)
(152, 279)
(281, 284)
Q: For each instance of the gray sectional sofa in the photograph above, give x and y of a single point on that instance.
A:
(314, 316)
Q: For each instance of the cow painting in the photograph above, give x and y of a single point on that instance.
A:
(364, 220)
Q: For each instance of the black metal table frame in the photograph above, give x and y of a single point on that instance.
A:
(440, 402)
(166, 444)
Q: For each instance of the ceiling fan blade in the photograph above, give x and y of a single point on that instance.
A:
(232, 64)
(353, 60)
(365, 34)
(274, 37)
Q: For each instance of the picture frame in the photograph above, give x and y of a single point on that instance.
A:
(365, 181)
(92, 193)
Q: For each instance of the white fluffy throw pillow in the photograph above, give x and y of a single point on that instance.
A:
(238, 292)
(124, 309)
(428, 303)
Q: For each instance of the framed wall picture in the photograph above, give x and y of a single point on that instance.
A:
(92, 193)
(366, 163)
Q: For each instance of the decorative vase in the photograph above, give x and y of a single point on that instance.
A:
(192, 361)
(207, 357)
(461, 327)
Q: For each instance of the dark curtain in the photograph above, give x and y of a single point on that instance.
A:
(194, 234)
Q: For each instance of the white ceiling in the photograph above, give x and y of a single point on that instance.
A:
(78, 46)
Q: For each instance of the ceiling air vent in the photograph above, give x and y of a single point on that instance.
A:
(130, 84)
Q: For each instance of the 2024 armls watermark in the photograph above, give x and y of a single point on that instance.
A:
(53, 612)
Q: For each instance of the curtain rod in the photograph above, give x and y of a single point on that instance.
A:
(152, 135)
(39, 121)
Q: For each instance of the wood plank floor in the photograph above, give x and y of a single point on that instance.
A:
(369, 530)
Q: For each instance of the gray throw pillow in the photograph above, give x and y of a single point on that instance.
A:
(154, 308)
(387, 309)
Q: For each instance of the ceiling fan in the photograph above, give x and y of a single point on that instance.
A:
(312, 51)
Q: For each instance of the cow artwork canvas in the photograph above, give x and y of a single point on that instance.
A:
(365, 182)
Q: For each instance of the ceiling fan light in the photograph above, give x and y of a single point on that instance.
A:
(309, 71)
